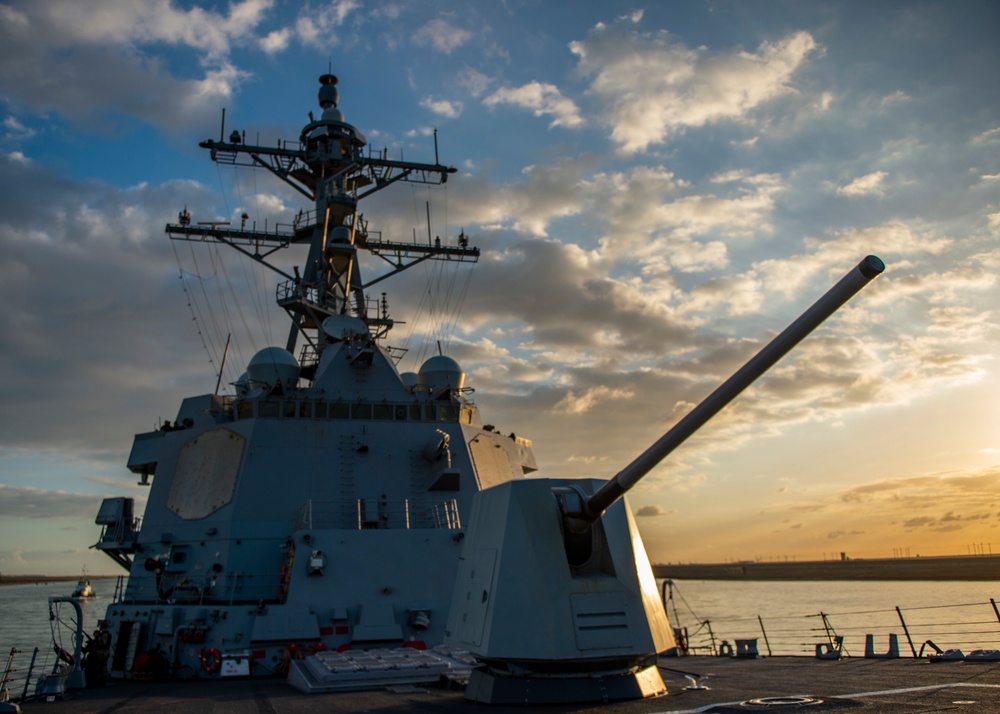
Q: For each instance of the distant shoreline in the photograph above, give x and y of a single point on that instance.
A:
(949, 567)
(956, 567)
(39, 579)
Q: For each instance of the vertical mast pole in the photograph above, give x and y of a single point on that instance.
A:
(225, 353)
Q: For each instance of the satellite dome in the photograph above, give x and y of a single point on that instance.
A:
(340, 327)
(333, 114)
(243, 385)
(440, 372)
(272, 366)
(409, 379)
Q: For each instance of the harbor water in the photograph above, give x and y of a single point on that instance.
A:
(785, 618)
(793, 617)
(26, 623)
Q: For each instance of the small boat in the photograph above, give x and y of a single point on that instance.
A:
(83, 589)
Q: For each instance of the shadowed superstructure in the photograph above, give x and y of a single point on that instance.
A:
(323, 506)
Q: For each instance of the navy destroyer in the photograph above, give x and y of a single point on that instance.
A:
(323, 505)
(334, 505)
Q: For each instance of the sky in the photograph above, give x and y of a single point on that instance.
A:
(657, 190)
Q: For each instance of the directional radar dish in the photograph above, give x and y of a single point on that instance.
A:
(343, 327)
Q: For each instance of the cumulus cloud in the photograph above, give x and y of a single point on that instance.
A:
(442, 35)
(318, 27)
(442, 107)
(591, 398)
(990, 135)
(106, 265)
(277, 40)
(542, 99)
(87, 60)
(869, 184)
(654, 87)
(614, 289)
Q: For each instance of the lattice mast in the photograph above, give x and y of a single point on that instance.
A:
(329, 166)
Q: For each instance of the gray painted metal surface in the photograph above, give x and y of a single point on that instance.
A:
(324, 505)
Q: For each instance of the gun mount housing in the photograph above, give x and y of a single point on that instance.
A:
(591, 509)
(555, 595)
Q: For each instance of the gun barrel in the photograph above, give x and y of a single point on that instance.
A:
(866, 271)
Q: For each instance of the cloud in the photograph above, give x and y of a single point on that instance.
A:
(442, 107)
(101, 253)
(653, 87)
(318, 28)
(28, 502)
(949, 522)
(442, 36)
(16, 131)
(946, 502)
(988, 136)
(591, 398)
(870, 184)
(542, 99)
(277, 41)
(93, 60)
(655, 510)
(835, 535)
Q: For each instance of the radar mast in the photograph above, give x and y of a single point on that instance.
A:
(332, 165)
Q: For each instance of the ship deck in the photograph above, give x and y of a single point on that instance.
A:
(853, 684)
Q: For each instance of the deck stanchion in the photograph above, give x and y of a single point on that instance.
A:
(906, 631)
(764, 632)
(27, 679)
(708, 624)
(995, 610)
(826, 627)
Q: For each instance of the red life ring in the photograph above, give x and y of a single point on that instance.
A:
(211, 660)
(318, 647)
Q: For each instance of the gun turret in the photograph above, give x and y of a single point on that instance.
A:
(596, 631)
(594, 506)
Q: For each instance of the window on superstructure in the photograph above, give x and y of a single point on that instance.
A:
(244, 410)
(339, 410)
(414, 412)
(288, 408)
(383, 411)
(319, 410)
(361, 411)
(448, 414)
(430, 414)
(305, 410)
(268, 408)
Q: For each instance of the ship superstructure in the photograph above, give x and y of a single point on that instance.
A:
(323, 506)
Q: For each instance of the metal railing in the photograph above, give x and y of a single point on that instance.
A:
(362, 514)
(898, 632)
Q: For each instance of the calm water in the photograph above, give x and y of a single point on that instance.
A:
(952, 614)
(25, 624)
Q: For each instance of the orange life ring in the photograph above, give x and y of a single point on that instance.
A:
(211, 659)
